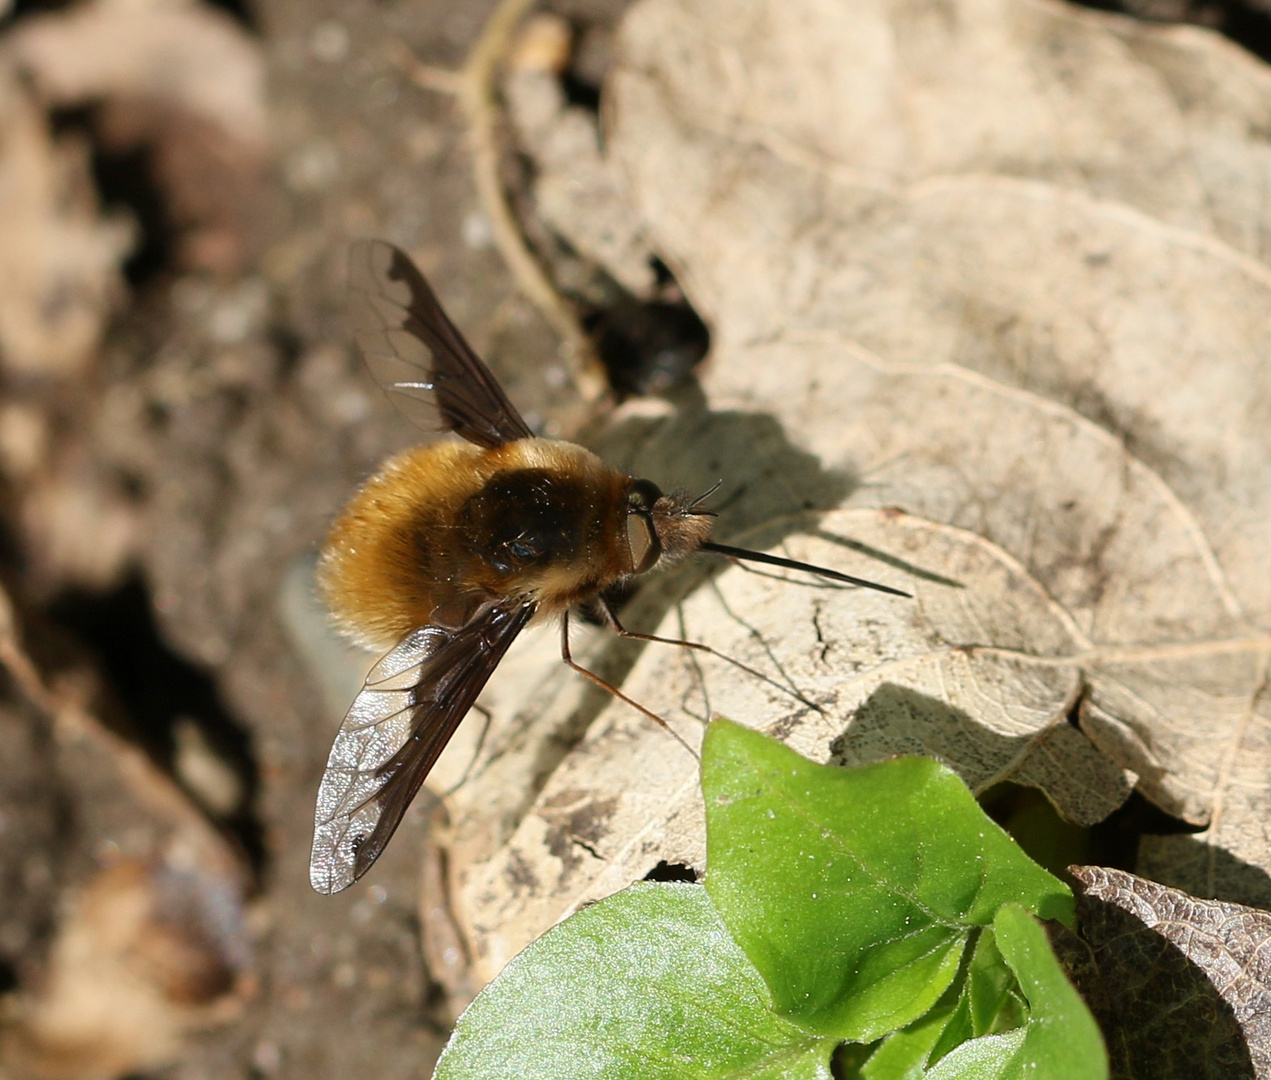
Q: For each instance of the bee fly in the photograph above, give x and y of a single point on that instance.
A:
(452, 548)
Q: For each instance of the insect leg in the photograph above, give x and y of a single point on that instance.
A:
(611, 617)
(487, 716)
(591, 675)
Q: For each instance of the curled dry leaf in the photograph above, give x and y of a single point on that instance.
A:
(60, 260)
(1022, 274)
(988, 671)
(1180, 986)
(190, 57)
(184, 80)
(999, 265)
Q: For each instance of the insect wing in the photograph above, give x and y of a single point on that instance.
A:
(399, 723)
(418, 355)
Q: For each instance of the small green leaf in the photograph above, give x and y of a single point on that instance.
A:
(852, 890)
(1059, 1040)
(903, 1054)
(985, 1003)
(990, 1057)
(982, 1001)
(644, 985)
(992, 991)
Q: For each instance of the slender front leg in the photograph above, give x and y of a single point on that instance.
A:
(565, 655)
(611, 617)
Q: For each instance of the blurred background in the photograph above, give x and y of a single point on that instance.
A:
(182, 412)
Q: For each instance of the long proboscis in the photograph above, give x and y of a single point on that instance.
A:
(794, 564)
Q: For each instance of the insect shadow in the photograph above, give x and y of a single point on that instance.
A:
(767, 487)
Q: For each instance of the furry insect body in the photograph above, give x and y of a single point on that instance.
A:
(443, 529)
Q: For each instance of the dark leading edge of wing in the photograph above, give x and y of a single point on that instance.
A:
(399, 723)
(416, 353)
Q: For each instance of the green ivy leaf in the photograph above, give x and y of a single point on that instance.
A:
(1058, 1041)
(644, 985)
(853, 890)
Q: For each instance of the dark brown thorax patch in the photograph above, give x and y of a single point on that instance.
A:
(525, 518)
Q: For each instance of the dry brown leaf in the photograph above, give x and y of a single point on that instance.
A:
(996, 265)
(1009, 468)
(1180, 986)
(900, 221)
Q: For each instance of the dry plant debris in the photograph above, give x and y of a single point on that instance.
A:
(475, 90)
(150, 941)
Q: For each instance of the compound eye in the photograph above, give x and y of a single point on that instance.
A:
(642, 495)
(643, 541)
